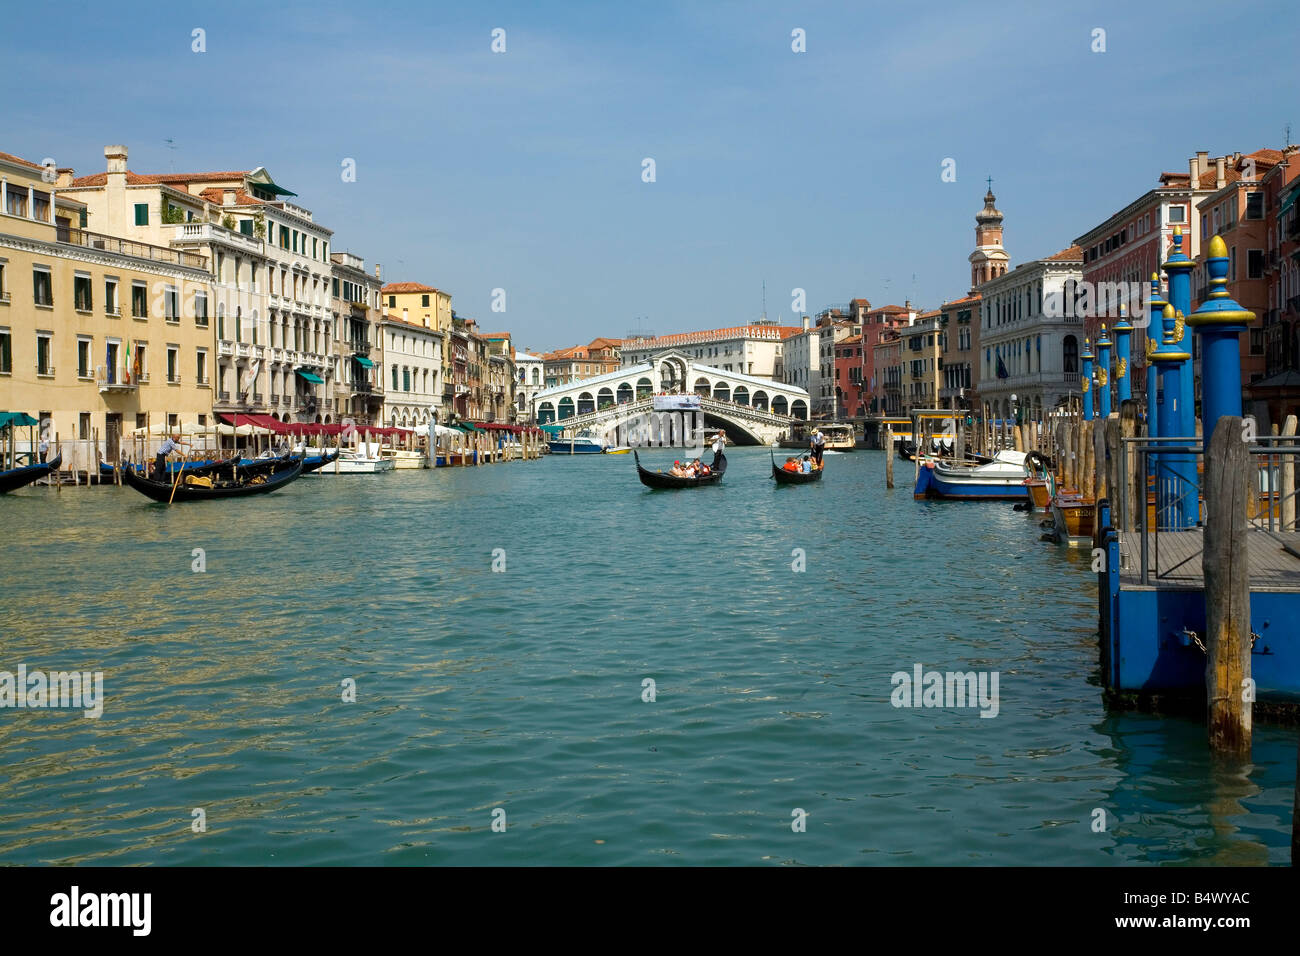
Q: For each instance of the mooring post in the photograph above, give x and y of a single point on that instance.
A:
(1287, 492)
(1227, 589)
(889, 456)
(1134, 489)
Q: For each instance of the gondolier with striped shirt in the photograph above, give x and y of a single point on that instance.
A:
(719, 443)
(818, 446)
(170, 444)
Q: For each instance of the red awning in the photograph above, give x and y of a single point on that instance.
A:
(259, 421)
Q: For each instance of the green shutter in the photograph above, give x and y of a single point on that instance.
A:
(142, 214)
(246, 226)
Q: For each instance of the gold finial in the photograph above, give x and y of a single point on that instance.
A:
(1167, 311)
(1218, 248)
(1103, 326)
(1155, 277)
(1178, 230)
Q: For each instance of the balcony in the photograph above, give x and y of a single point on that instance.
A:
(359, 348)
(242, 350)
(257, 398)
(188, 233)
(223, 395)
(275, 399)
(114, 380)
(137, 250)
(225, 348)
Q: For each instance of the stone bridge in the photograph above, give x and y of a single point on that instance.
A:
(751, 410)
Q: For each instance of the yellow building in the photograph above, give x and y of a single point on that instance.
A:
(97, 333)
(922, 360)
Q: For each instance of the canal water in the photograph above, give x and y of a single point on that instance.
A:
(519, 696)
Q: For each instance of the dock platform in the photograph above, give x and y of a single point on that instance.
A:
(1174, 560)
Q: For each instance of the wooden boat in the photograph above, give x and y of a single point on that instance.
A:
(784, 477)
(16, 478)
(1073, 516)
(261, 466)
(165, 491)
(315, 462)
(839, 436)
(659, 479)
(204, 467)
(1002, 479)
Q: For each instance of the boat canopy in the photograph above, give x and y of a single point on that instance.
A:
(10, 419)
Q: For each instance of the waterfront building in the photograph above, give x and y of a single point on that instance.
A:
(1125, 249)
(921, 345)
(578, 362)
(1280, 388)
(876, 323)
(848, 377)
(430, 308)
(958, 388)
(1030, 337)
(529, 370)
(888, 394)
(97, 333)
(501, 383)
(358, 340)
(475, 368)
(412, 363)
(1236, 212)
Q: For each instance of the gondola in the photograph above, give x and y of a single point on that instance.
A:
(658, 479)
(18, 477)
(784, 477)
(189, 467)
(247, 467)
(316, 462)
(164, 491)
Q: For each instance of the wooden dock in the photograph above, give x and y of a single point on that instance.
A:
(1174, 560)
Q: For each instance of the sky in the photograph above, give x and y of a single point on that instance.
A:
(523, 170)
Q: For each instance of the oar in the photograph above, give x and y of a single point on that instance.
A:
(179, 471)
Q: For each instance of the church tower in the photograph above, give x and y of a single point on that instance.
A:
(989, 260)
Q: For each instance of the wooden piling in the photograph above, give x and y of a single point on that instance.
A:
(1134, 490)
(889, 456)
(1227, 589)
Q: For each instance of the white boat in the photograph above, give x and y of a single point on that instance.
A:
(403, 459)
(1002, 478)
(364, 459)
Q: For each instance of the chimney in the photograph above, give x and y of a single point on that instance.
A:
(228, 197)
(66, 174)
(1193, 171)
(378, 272)
(1202, 161)
(1219, 179)
(806, 323)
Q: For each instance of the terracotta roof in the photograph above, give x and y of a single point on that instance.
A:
(400, 288)
(968, 298)
(890, 308)
(863, 302)
(217, 197)
(19, 160)
(849, 341)
(1072, 254)
(495, 335)
(604, 343)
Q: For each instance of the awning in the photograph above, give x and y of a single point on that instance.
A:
(1288, 202)
(9, 419)
(257, 421)
(364, 361)
(310, 376)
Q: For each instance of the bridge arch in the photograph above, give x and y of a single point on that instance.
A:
(780, 406)
(799, 409)
(759, 400)
(740, 395)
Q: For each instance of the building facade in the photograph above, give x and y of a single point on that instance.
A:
(756, 349)
(412, 362)
(961, 344)
(921, 346)
(358, 340)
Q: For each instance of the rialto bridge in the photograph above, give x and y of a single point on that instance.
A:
(751, 410)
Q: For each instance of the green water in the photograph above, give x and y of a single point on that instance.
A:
(522, 689)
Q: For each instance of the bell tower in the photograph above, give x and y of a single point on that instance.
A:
(989, 260)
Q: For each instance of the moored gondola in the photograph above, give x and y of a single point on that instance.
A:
(16, 478)
(659, 479)
(185, 490)
(784, 477)
(316, 462)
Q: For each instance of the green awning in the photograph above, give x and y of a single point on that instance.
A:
(465, 427)
(1288, 202)
(273, 189)
(310, 377)
(364, 361)
(9, 419)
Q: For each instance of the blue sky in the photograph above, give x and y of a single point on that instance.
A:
(522, 170)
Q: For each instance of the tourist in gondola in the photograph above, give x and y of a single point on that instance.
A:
(172, 443)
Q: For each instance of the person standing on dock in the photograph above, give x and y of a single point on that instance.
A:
(170, 444)
(818, 445)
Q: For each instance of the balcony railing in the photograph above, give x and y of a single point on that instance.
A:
(213, 232)
(115, 379)
(275, 399)
(223, 395)
(257, 398)
(137, 250)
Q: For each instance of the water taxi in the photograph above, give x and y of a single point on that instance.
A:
(839, 436)
(1001, 479)
(584, 443)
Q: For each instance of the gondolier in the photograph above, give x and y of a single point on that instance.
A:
(817, 445)
(43, 449)
(719, 443)
(170, 444)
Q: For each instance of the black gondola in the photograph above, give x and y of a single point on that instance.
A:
(164, 490)
(658, 479)
(189, 467)
(18, 477)
(316, 462)
(784, 477)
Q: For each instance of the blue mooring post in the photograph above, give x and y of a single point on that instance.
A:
(1176, 489)
(1103, 375)
(1219, 322)
(1154, 331)
(1123, 356)
(1085, 381)
(1179, 269)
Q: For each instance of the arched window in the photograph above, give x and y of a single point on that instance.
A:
(537, 375)
(799, 409)
(605, 398)
(624, 393)
(239, 318)
(702, 387)
(586, 404)
(221, 320)
(760, 400)
(545, 413)
(780, 406)
(643, 388)
(722, 392)
(741, 395)
(566, 408)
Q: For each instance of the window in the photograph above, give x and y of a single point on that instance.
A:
(201, 367)
(424, 301)
(139, 300)
(42, 293)
(392, 301)
(284, 238)
(1255, 205)
(139, 362)
(173, 375)
(81, 292)
(43, 366)
(246, 226)
(110, 297)
(171, 304)
(1176, 213)
(313, 247)
(1232, 264)
(406, 379)
(6, 352)
(201, 309)
(1256, 341)
(2, 280)
(394, 378)
(16, 202)
(83, 426)
(142, 214)
(295, 240)
(1255, 262)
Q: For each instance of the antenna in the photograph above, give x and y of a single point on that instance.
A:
(170, 144)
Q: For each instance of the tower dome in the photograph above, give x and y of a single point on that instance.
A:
(989, 260)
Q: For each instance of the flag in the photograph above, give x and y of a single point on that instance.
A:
(1002, 369)
(126, 364)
